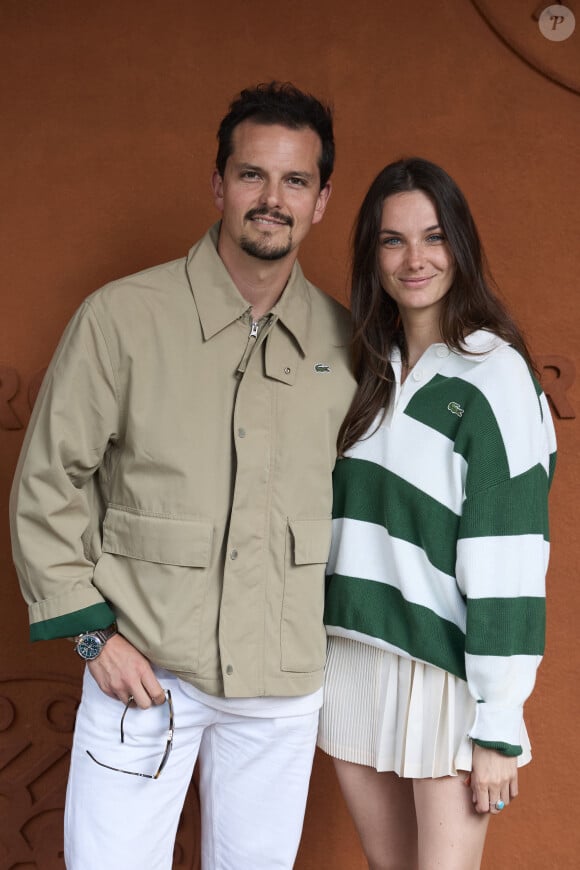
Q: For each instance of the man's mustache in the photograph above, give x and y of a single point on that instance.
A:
(263, 211)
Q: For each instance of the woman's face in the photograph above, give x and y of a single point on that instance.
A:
(415, 264)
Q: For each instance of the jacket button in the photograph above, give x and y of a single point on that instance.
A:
(287, 370)
(234, 554)
(241, 432)
(229, 670)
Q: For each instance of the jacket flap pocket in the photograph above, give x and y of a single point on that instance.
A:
(157, 539)
(311, 540)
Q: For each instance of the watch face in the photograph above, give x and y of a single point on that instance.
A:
(89, 647)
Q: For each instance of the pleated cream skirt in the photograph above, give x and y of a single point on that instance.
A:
(390, 713)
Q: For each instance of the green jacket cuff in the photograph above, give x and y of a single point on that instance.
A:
(88, 619)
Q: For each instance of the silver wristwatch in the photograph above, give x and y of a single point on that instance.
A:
(89, 644)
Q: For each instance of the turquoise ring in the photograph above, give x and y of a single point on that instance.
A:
(499, 805)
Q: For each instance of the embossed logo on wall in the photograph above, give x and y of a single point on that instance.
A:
(557, 374)
(518, 25)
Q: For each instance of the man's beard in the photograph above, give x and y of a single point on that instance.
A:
(261, 248)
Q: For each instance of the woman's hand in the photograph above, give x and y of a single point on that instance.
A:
(494, 778)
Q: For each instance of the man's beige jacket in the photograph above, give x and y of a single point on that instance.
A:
(176, 476)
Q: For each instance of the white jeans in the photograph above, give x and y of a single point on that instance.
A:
(254, 775)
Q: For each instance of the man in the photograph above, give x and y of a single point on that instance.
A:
(172, 508)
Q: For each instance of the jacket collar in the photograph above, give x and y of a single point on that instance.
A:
(220, 303)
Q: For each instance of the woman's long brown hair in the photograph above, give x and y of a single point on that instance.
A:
(470, 303)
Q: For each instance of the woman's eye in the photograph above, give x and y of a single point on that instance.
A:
(436, 238)
(391, 242)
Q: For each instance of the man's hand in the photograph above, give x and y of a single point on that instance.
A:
(494, 777)
(122, 672)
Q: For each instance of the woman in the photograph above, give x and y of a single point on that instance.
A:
(435, 600)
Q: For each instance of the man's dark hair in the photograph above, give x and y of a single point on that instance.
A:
(279, 103)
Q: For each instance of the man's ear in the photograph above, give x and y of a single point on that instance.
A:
(321, 202)
(217, 186)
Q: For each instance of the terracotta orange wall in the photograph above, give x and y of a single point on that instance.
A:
(108, 123)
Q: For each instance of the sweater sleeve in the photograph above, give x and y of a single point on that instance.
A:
(503, 548)
(54, 504)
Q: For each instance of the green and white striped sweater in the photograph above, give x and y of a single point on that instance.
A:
(440, 528)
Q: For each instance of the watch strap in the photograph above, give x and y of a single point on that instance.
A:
(105, 633)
